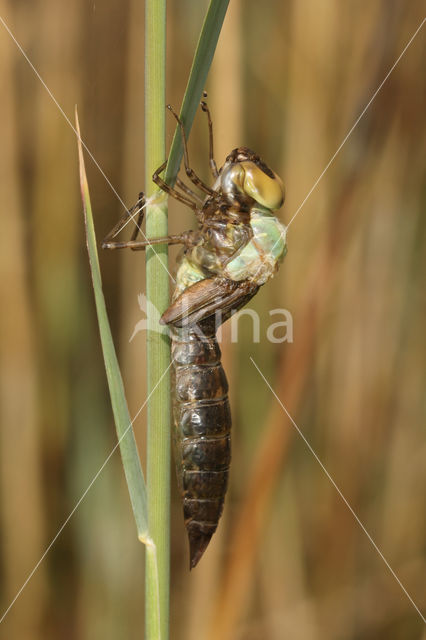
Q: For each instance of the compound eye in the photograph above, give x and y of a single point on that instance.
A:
(232, 180)
(267, 191)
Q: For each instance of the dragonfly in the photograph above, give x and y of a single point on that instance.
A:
(237, 247)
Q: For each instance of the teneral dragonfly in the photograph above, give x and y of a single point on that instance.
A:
(237, 247)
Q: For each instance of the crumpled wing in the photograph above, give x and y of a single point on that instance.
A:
(202, 299)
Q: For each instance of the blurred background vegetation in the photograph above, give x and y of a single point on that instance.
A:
(289, 560)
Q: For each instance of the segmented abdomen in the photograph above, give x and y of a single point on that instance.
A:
(202, 422)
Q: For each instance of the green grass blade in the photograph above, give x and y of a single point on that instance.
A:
(197, 80)
(157, 566)
(128, 448)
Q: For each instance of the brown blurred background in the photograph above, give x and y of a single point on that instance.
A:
(289, 560)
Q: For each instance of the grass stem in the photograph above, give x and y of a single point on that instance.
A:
(158, 350)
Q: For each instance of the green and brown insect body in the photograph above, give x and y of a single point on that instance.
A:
(237, 247)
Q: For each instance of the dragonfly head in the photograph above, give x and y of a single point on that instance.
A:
(245, 177)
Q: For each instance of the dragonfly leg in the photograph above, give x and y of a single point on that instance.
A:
(140, 245)
(170, 190)
(212, 162)
(137, 208)
(189, 172)
(140, 204)
(189, 191)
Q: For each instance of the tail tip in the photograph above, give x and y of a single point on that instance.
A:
(198, 543)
